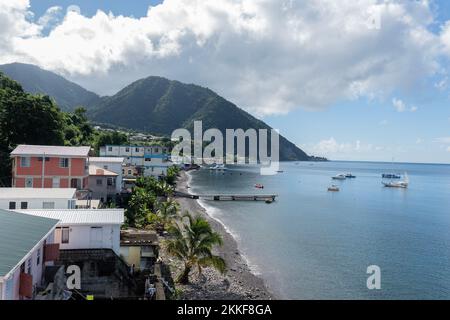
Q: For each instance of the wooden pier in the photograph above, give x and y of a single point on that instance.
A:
(229, 197)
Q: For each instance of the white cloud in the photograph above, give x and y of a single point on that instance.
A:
(445, 140)
(268, 56)
(51, 17)
(334, 149)
(383, 123)
(400, 106)
(448, 149)
(419, 141)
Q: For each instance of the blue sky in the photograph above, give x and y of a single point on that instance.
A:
(367, 127)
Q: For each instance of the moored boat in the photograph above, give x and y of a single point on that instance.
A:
(333, 188)
(339, 177)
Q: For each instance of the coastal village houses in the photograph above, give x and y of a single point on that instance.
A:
(50, 167)
(154, 159)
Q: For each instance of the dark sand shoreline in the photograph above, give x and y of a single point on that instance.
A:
(238, 283)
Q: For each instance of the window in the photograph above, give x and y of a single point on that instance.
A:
(38, 256)
(137, 149)
(25, 162)
(109, 148)
(48, 205)
(28, 182)
(55, 182)
(24, 205)
(127, 149)
(99, 182)
(29, 266)
(46, 159)
(148, 159)
(105, 167)
(110, 182)
(129, 171)
(12, 205)
(156, 150)
(65, 235)
(64, 162)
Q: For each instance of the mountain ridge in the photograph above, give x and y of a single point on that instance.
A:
(155, 105)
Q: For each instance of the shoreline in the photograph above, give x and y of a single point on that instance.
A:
(238, 283)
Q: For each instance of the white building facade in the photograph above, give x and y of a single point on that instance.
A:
(37, 198)
(154, 159)
(85, 228)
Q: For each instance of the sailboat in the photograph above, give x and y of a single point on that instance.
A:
(398, 184)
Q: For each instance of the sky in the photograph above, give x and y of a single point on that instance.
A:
(349, 80)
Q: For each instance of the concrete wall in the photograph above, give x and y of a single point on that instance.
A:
(114, 167)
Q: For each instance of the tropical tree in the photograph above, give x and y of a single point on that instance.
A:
(166, 212)
(140, 206)
(192, 242)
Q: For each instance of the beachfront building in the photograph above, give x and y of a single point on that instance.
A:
(26, 247)
(30, 198)
(50, 167)
(139, 248)
(114, 164)
(102, 184)
(85, 229)
(154, 159)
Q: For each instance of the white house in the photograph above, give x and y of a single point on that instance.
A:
(113, 164)
(37, 198)
(154, 159)
(26, 246)
(85, 228)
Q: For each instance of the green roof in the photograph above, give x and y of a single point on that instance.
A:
(19, 233)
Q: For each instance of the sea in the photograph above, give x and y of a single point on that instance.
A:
(315, 244)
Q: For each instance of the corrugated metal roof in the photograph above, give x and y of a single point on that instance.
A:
(37, 193)
(81, 216)
(19, 233)
(97, 171)
(107, 159)
(29, 150)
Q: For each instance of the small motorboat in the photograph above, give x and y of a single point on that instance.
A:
(397, 184)
(259, 186)
(218, 167)
(339, 177)
(280, 171)
(390, 176)
(333, 188)
(350, 175)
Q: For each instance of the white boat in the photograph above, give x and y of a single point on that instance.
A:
(339, 177)
(333, 188)
(218, 167)
(397, 184)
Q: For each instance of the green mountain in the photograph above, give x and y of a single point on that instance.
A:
(159, 106)
(33, 79)
(155, 105)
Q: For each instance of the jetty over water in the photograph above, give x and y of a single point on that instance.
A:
(228, 197)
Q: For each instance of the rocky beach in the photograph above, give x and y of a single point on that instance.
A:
(238, 283)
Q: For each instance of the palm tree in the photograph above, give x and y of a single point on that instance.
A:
(192, 243)
(166, 212)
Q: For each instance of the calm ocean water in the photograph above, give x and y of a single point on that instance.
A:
(314, 244)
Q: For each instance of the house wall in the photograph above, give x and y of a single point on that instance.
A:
(114, 167)
(11, 284)
(131, 255)
(80, 237)
(77, 169)
(153, 158)
(102, 191)
(38, 203)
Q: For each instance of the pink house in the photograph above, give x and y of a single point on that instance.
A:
(50, 167)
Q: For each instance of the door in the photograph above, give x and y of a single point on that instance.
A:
(96, 237)
(28, 182)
